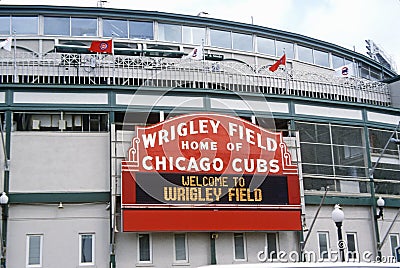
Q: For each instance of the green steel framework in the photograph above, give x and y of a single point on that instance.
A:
(19, 198)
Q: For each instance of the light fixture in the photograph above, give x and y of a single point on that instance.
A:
(394, 140)
(60, 205)
(3, 199)
(380, 203)
(338, 217)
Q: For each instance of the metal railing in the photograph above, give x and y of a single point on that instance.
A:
(91, 69)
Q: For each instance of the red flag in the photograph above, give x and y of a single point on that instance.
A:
(281, 61)
(102, 46)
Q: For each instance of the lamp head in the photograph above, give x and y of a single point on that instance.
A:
(3, 199)
(380, 202)
(337, 214)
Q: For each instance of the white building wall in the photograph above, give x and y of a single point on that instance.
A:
(60, 229)
(358, 219)
(162, 250)
(59, 162)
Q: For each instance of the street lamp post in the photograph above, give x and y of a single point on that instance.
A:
(3, 203)
(338, 217)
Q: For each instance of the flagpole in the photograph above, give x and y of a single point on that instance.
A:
(15, 57)
(286, 74)
(113, 56)
(203, 63)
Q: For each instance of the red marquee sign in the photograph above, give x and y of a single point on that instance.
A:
(209, 172)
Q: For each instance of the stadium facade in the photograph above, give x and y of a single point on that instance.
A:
(146, 157)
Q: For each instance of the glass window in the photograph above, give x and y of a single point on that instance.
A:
(24, 25)
(220, 39)
(240, 250)
(313, 133)
(242, 42)
(394, 243)
(141, 29)
(115, 28)
(305, 54)
(316, 153)
(83, 27)
(272, 245)
(316, 133)
(34, 250)
(56, 26)
(337, 61)
(266, 46)
(352, 246)
(193, 35)
(378, 140)
(321, 58)
(284, 46)
(180, 248)
(323, 243)
(5, 25)
(170, 32)
(144, 247)
(86, 248)
(352, 136)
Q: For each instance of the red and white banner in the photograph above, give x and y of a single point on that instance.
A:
(102, 46)
(204, 172)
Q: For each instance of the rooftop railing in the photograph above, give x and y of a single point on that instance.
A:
(92, 69)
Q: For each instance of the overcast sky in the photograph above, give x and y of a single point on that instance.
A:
(343, 22)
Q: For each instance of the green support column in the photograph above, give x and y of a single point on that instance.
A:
(111, 122)
(4, 219)
(372, 187)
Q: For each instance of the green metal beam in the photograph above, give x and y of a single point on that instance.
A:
(89, 197)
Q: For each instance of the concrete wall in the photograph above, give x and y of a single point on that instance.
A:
(60, 229)
(59, 162)
(199, 248)
(357, 220)
(395, 93)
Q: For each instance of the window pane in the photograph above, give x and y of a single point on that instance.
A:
(220, 39)
(242, 41)
(5, 25)
(316, 154)
(83, 27)
(284, 46)
(314, 133)
(86, 248)
(141, 29)
(347, 136)
(115, 28)
(24, 25)
(305, 54)
(193, 35)
(394, 243)
(378, 140)
(321, 58)
(349, 156)
(56, 26)
(352, 246)
(144, 247)
(271, 245)
(239, 246)
(180, 247)
(34, 250)
(170, 32)
(323, 245)
(337, 61)
(319, 184)
(266, 46)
